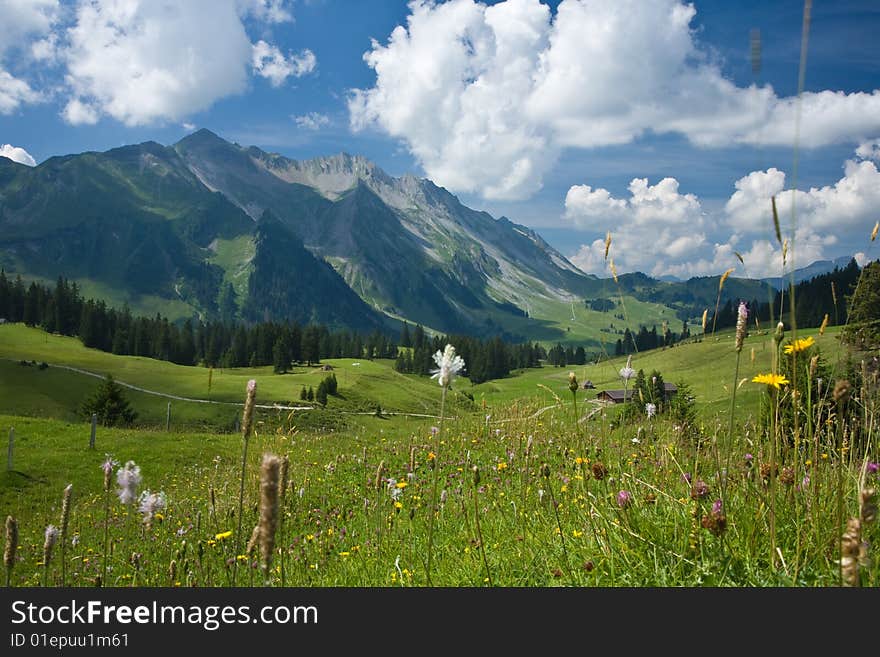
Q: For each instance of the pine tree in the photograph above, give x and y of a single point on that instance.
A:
(321, 393)
(109, 404)
(863, 329)
(280, 356)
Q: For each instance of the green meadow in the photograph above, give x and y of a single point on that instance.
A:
(562, 495)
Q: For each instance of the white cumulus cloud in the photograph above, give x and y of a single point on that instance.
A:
(869, 150)
(654, 225)
(485, 97)
(76, 112)
(311, 121)
(269, 11)
(14, 92)
(22, 24)
(17, 154)
(850, 202)
(141, 61)
(660, 231)
(269, 62)
(22, 19)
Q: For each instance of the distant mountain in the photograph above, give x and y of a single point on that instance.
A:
(690, 298)
(138, 223)
(289, 282)
(134, 217)
(406, 246)
(210, 228)
(810, 271)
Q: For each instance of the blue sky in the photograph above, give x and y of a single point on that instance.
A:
(576, 118)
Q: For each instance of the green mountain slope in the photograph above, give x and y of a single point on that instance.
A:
(179, 229)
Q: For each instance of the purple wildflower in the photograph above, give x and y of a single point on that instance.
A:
(624, 499)
(717, 507)
(699, 490)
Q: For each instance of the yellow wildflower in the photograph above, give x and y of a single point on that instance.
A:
(223, 535)
(799, 345)
(501, 466)
(771, 379)
(401, 484)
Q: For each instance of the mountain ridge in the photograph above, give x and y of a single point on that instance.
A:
(182, 223)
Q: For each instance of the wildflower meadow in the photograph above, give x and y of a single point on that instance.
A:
(776, 489)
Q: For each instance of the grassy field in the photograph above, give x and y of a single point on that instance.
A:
(57, 393)
(707, 366)
(610, 501)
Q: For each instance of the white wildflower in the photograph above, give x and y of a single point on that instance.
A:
(151, 503)
(129, 478)
(449, 365)
(650, 409)
(626, 373)
(393, 490)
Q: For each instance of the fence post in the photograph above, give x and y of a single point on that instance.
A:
(9, 450)
(94, 430)
(168, 418)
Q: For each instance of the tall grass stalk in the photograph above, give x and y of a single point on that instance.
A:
(434, 468)
(282, 498)
(246, 425)
(9, 551)
(545, 472)
(65, 523)
(477, 522)
(448, 366)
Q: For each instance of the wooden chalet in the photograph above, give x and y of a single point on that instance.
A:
(617, 396)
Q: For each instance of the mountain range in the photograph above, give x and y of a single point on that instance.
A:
(210, 228)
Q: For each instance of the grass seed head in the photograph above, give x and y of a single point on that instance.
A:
(842, 391)
(50, 538)
(270, 472)
(247, 416)
(65, 510)
(380, 471)
(11, 543)
(868, 505)
(851, 552)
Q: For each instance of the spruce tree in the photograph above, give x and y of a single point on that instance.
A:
(863, 329)
(321, 393)
(110, 405)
